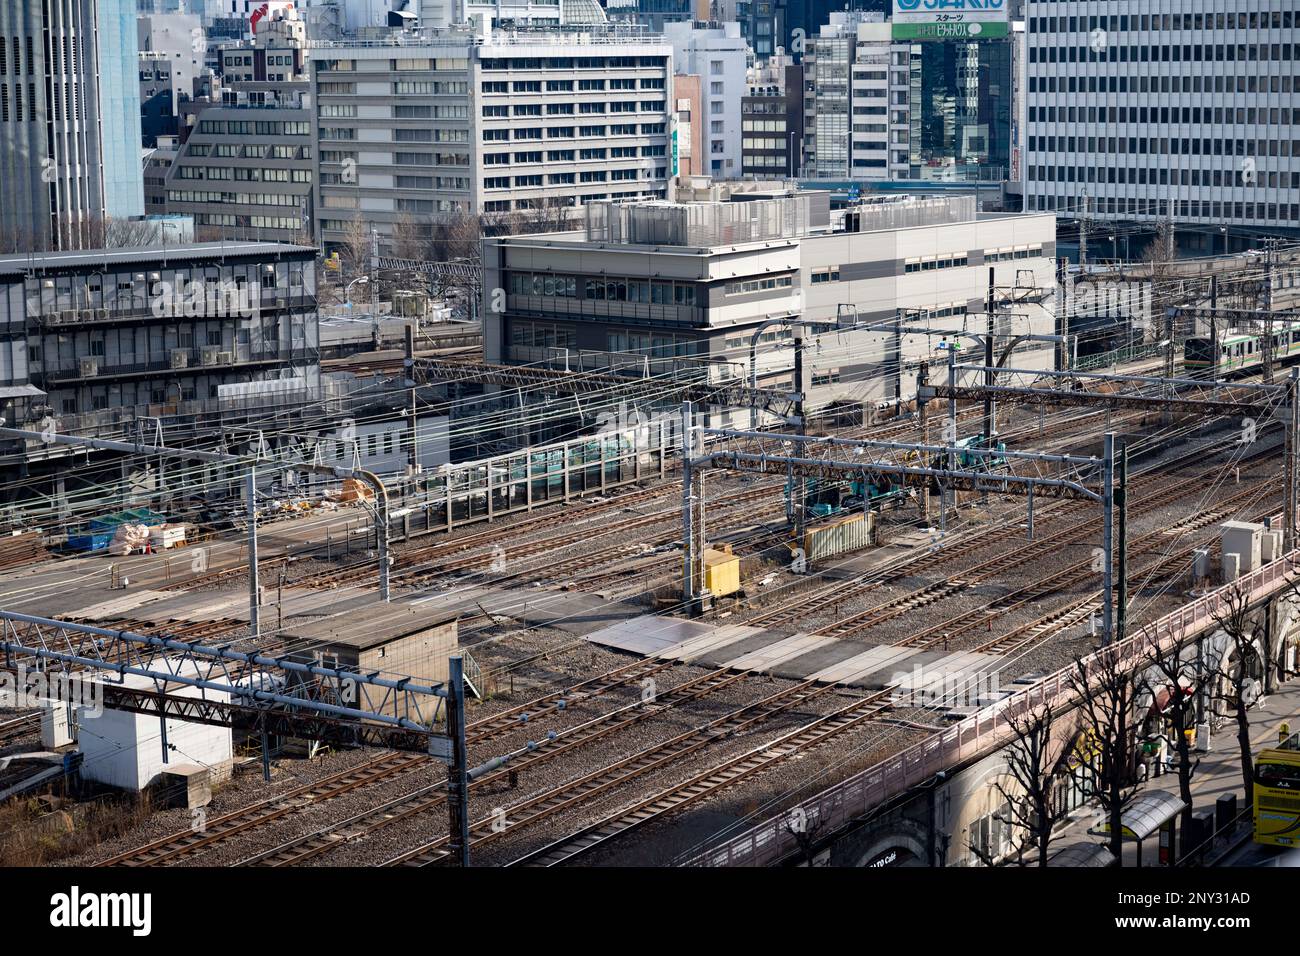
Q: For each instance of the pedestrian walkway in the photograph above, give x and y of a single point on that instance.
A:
(1218, 773)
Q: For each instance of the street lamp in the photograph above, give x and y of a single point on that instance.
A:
(347, 290)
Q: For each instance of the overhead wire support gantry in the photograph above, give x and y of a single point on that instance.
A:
(952, 467)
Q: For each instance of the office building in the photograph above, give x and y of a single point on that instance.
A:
(771, 119)
(96, 339)
(682, 286)
(246, 168)
(1184, 113)
(719, 56)
(69, 162)
(890, 100)
(442, 125)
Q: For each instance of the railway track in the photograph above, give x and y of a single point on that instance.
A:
(364, 824)
(606, 779)
(1078, 611)
(16, 728)
(707, 784)
(830, 596)
(222, 828)
(382, 767)
(1059, 581)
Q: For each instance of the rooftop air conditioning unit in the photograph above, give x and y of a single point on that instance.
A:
(180, 358)
(89, 367)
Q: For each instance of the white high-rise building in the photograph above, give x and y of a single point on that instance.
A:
(856, 102)
(1188, 112)
(436, 125)
(720, 57)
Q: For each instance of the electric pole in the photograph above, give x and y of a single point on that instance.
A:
(989, 382)
(1083, 233)
(801, 428)
(1289, 466)
(1121, 502)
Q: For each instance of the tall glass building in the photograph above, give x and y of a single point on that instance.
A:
(119, 106)
(882, 107)
(960, 106)
(70, 155)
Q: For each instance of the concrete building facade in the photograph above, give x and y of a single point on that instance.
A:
(1186, 113)
(96, 338)
(771, 120)
(440, 125)
(660, 287)
(246, 169)
(719, 56)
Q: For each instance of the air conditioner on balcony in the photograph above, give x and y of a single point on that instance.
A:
(180, 358)
(225, 358)
(70, 315)
(211, 355)
(89, 367)
(87, 315)
(103, 314)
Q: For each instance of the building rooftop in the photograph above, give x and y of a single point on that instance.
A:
(16, 265)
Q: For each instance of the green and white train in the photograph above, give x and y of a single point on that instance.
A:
(1239, 351)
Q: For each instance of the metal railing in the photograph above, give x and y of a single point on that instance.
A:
(985, 732)
(1127, 353)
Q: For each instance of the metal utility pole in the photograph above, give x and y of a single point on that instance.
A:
(1214, 328)
(949, 439)
(1063, 306)
(254, 586)
(1107, 542)
(1269, 246)
(457, 771)
(1169, 339)
(688, 531)
(801, 428)
(990, 380)
(413, 412)
(1121, 499)
(1289, 466)
(374, 281)
(1083, 232)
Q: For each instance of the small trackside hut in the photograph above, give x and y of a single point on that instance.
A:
(396, 640)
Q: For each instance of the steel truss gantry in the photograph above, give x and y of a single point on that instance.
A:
(273, 695)
(351, 707)
(1141, 392)
(821, 456)
(731, 392)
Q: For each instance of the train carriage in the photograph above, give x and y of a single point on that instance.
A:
(1238, 350)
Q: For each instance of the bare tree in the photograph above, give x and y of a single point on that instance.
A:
(354, 247)
(1235, 674)
(1106, 701)
(1029, 787)
(1163, 673)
